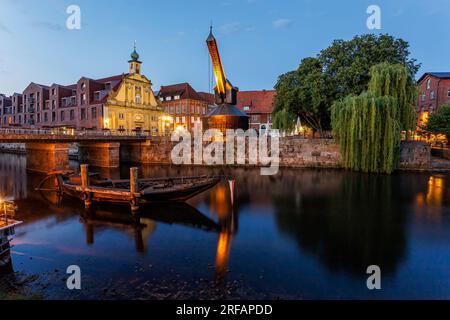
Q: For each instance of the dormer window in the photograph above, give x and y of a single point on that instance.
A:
(97, 95)
(168, 98)
(108, 86)
(246, 108)
(162, 99)
(177, 97)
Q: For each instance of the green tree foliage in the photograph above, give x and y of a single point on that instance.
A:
(439, 122)
(303, 93)
(369, 126)
(340, 70)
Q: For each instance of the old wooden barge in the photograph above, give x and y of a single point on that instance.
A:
(136, 192)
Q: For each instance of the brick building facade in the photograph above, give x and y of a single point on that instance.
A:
(122, 102)
(434, 91)
(185, 106)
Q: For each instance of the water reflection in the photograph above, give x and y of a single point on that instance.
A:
(341, 221)
(362, 222)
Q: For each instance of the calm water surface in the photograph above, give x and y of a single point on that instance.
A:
(306, 234)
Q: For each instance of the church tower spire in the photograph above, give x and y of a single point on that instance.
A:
(135, 64)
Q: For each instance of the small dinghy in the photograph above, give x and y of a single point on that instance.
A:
(89, 188)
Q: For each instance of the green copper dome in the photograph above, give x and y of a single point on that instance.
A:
(134, 55)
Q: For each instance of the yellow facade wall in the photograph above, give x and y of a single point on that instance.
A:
(134, 106)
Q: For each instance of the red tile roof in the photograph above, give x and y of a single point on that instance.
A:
(208, 97)
(258, 101)
(184, 90)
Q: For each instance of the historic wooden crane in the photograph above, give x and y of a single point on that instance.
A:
(225, 115)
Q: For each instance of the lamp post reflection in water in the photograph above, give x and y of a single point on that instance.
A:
(228, 226)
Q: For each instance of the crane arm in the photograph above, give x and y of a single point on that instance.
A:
(219, 73)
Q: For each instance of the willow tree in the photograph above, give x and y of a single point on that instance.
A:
(369, 126)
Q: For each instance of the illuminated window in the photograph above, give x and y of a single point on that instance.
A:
(177, 97)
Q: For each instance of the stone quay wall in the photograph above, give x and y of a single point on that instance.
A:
(294, 152)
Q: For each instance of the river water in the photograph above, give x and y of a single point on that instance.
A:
(301, 234)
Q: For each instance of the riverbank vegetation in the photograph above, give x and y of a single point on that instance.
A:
(439, 123)
(369, 126)
(340, 70)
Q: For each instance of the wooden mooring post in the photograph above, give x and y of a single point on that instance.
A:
(134, 189)
(84, 168)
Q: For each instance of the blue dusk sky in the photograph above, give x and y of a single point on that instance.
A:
(258, 39)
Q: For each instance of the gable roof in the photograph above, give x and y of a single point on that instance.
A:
(184, 90)
(259, 101)
(440, 75)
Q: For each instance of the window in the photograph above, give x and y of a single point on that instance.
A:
(53, 116)
(53, 104)
(432, 95)
(177, 97)
(193, 108)
(270, 117)
(138, 99)
(53, 91)
(204, 110)
(121, 116)
(448, 93)
(161, 99)
(246, 108)
(62, 115)
(178, 109)
(255, 118)
(45, 117)
(38, 118)
(94, 113)
(168, 98)
(198, 109)
(183, 109)
(20, 118)
(83, 114)
(428, 84)
(424, 95)
(183, 119)
(171, 109)
(83, 99)
(108, 86)
(97, 95)
(177, 119)
(83, 86)
(47, 104)
(72, 114)
(430, 109)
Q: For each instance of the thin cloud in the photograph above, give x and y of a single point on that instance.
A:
(4, 28)
(47, 25)
(235, 27)
(282, 23)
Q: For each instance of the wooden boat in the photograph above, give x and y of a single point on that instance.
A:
(145, 191)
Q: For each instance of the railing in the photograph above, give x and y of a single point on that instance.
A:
(74, 133)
